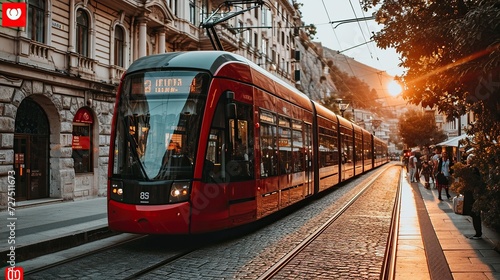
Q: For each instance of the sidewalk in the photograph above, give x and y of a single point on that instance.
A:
(53, 226)
(452, 255)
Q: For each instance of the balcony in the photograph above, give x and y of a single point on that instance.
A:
(36, 54)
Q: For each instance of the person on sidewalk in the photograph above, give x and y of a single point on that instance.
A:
(427, 169)
(418, 167)
(435, 160)
(412, 164)
(444, 174)
(469, 201)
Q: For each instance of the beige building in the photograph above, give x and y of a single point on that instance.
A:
(58, 78)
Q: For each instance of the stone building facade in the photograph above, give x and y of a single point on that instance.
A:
(59, 75)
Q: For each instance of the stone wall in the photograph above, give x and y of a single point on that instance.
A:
(60, 105)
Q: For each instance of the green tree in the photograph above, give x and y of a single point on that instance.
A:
(310, 29)
(419, 129)
(451, 50)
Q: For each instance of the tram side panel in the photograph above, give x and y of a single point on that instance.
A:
(282, 151)
(328, 153)
(327, 160)
(226, 197)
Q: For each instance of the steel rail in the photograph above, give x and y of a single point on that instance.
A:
(389, 265)
(278, 266)
(84, 255)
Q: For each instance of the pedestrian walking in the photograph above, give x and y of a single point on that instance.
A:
(412, 164)
(444, 174)
(435, 160)
(418, 166)
(469, 200)
(427, 169)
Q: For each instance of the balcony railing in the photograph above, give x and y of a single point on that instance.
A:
(40, 51)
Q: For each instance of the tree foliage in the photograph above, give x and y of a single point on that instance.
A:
(418, 129)
(451, 52)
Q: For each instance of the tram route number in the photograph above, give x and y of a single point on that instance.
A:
(144, 197)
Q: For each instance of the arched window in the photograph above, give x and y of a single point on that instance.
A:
(119, 46)
(82, 33)
(82, 141)
(36, 20)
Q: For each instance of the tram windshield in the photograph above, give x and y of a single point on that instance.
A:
(157, 125)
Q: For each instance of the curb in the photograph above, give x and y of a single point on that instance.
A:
(27, 252)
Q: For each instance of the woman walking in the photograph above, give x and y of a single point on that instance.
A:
(427, 168)
(444, 173)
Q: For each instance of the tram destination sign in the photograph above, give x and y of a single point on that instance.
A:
(157, 84)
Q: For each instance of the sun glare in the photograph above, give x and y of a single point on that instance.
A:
(394, 88)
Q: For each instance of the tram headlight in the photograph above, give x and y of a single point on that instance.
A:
(179, 192)
(117, 190)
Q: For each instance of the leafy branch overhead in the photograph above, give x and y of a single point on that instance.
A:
(451, 50)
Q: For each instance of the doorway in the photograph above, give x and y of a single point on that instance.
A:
(31, 151)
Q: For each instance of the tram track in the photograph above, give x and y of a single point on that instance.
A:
(390, 255)
(150, 257)
(86, 254)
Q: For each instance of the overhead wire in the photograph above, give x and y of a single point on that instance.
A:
(360, 29)
(346, 60)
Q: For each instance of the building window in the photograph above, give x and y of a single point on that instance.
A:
(119, 46)
(173, 6)
(192, 12)
(36, 20)
(82, 141)
(264, 47)
(240, 28)
(247, 37)
(82, 33)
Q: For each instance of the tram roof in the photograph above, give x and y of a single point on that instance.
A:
(207, 60)
(212, 61)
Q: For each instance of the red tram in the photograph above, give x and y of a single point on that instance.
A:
(207, 140)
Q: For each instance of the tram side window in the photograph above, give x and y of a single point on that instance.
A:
(229, 155)
(367, 149)
(298, 149)
(285, 146)
(328, 151)
(358, 148)
(348, 147)
(268, 145)
(240, 151)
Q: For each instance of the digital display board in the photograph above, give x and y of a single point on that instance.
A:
(164, 84)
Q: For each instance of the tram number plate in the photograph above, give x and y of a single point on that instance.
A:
(144, 197)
